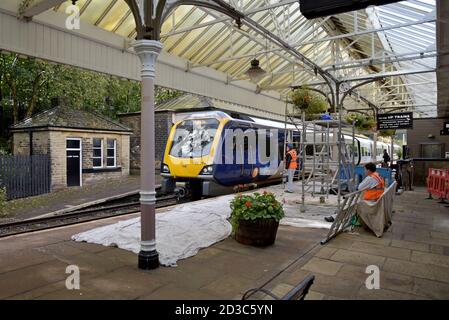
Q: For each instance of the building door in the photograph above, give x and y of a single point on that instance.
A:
(432, 150)
(74, 162)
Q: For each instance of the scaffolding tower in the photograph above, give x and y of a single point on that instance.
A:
(327, 160)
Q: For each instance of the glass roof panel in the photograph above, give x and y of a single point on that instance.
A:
(344, 44)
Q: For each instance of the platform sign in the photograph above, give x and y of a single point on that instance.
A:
(445, 131)
(391, 121)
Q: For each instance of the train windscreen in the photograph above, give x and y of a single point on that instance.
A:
(194, 138)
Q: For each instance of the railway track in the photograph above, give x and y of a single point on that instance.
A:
(80, 216)
(118, 207)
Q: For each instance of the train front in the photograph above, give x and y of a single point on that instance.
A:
(189, 154)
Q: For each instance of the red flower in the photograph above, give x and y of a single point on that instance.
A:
(248, 204)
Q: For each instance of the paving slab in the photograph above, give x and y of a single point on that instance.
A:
(322, 266)
(380, 250)
(411, 245)
(419, 270)
(430, 258)
(431, 289)
(360, 258)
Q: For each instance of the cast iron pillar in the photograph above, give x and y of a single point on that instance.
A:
(148, 51)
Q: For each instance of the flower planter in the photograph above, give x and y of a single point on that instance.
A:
(259, 232)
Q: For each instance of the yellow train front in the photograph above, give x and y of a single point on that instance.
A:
(195, 155)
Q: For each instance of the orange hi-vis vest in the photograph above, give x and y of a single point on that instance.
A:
(293, 163)
(375, 193)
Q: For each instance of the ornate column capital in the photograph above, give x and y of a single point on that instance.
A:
(148, 51)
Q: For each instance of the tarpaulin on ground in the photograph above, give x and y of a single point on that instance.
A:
(180, 233)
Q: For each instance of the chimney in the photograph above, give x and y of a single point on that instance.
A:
(58, 102)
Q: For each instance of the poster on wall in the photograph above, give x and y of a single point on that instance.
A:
(393, 121)
(445, 131)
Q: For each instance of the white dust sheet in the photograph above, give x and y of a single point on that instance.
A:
(183, 230)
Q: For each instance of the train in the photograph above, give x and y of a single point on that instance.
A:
(212, 152)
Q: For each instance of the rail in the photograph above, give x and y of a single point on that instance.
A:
(79, 216)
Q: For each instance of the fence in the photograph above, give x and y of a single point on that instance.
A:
(25, 176)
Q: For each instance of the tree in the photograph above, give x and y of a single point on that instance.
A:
(27, 86)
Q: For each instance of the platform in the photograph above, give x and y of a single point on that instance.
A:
(413, 257)
(71, 198)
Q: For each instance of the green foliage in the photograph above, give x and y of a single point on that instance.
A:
(361, 122)
(27, 86)
(164, 94)
(387, 133)
(301, 98)
(399, 153)
(2, 202)
(308, 101)
(318, 105)
(255, 206)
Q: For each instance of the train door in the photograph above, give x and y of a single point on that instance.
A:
(248, 151)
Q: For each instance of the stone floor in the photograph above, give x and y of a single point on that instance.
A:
(33, 267)
(413, 257)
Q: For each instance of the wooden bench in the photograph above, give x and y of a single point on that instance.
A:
(297, 293)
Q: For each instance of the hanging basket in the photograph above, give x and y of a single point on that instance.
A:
(307, 101)
(361, 122)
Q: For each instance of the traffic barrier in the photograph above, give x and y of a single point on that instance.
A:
(438, 183)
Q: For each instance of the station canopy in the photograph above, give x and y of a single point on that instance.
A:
(392, 45)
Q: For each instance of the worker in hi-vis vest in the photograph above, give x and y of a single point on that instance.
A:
(373, 185)
(291, 164)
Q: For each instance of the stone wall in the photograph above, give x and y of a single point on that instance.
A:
(90, 175)
(421, 169)
(21, 143)
(163, 124)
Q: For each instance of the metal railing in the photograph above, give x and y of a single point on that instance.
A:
(344, 215)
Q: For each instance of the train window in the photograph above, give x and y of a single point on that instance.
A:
(309, 150)
(364, 151)
(194, 138)
(268, 145)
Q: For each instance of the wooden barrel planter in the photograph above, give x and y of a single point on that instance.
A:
(259, 232)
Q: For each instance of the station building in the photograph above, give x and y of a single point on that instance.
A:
(83, 146)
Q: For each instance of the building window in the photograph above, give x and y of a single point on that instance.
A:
(111, 153)
(97, 153)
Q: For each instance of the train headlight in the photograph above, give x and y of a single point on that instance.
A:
(165, 168)
(207, 170)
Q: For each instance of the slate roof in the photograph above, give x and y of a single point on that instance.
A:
(71, 118)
